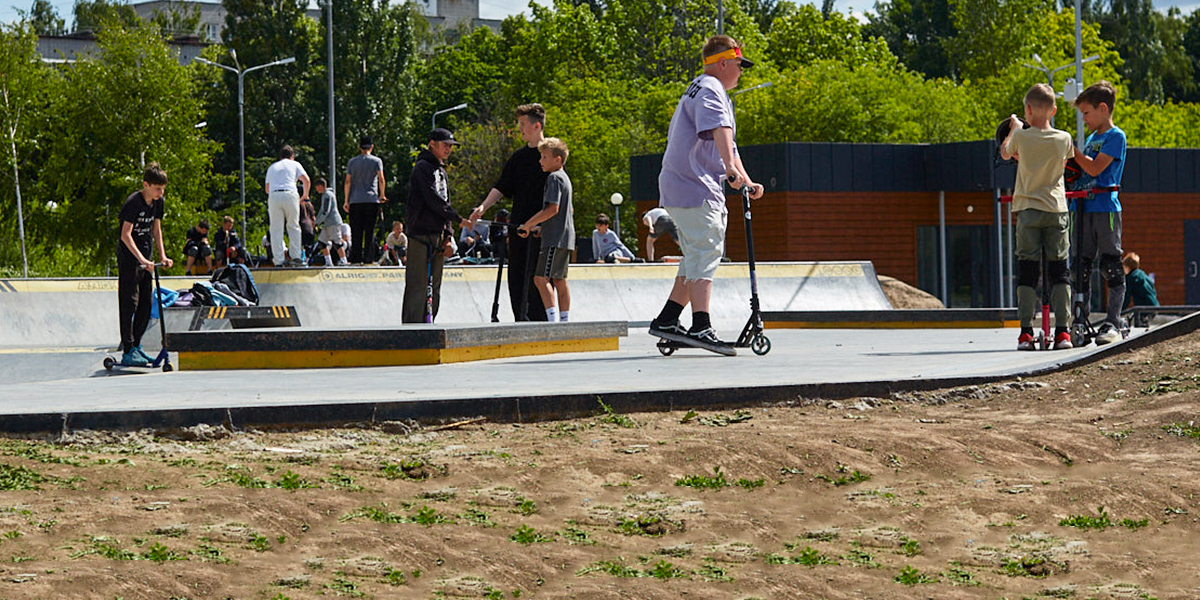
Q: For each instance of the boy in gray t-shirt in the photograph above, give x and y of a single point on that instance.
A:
(556, 222)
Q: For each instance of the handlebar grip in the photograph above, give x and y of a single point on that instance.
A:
(745, 189)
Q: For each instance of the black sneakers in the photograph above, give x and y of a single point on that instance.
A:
(669, 331)
(707, 339)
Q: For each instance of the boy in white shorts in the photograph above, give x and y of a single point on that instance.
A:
(701, 155)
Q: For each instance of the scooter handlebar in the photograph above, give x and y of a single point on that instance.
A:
(745, 189)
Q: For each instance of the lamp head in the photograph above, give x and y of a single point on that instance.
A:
(616, 199)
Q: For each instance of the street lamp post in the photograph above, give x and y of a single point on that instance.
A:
(433, 121)
(1050, 72)
(616, 199)
(241, 75)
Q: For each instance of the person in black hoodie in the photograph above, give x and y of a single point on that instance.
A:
(429, 216)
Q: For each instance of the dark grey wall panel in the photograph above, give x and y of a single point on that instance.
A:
(956, 167)
(841, 167)
(800, 167)
(822, 167)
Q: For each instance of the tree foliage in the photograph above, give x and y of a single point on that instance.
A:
(131, 105)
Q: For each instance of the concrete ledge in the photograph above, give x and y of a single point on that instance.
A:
(946, 318)
(294, 348)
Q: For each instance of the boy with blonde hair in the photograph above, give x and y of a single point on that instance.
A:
(557, 223)
(1040, 201)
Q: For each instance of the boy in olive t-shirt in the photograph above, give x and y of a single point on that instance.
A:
(1040, 201)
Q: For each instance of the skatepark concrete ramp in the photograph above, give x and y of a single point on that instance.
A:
(83, 312)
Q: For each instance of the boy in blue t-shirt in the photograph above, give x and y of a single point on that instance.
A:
(1102, 158)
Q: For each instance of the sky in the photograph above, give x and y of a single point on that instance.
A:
(498, 9)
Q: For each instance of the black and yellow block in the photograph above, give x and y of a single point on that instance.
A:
(945, 318)
(295, 348)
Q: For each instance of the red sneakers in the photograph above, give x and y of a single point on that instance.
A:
(1062, 341)
(1026, 342)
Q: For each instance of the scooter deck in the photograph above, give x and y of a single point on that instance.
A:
(668, 346)
(111, 363)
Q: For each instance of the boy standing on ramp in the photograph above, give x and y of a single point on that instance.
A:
(141, 223)
(1040, 201)
(700, 157)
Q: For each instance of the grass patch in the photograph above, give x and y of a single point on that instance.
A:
(1100, 522)
(711, 572)
(749, 484)
(577, 536)
(861, 558)
(414, 469)
(160, 554)
(718, 419)
(807, 556)
(107, 547)
(527, 535)
(844, 476)
(957, 576)
(701, 482)
(609, 567)
(1034, 565)
(610, 416)
(340, 586)
(20, 479)
(912, 576)
(475, 516)
(33, 452)
(343, 482)
(665, 570)
(380, 514)
(293, 481)
(910, 547)
(1187, 430)
(209, 553)
(1134, 525)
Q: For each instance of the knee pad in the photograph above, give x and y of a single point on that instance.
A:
(1028, 272)
(1058, 272)
(1111, 270)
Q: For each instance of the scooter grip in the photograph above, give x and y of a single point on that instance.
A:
(745, 189)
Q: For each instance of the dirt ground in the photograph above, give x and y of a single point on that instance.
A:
(1077, 485)
(903, 295)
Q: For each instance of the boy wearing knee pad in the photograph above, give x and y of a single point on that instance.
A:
(1103, 158)
(1040, 201)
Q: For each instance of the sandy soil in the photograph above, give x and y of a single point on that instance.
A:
(903, 295)
(989, 492)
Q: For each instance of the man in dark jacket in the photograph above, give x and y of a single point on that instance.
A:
(429, 215)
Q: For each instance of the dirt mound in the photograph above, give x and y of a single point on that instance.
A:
(903, 295)
(1082, 484)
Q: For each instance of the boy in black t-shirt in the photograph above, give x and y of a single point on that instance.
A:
(141, 223)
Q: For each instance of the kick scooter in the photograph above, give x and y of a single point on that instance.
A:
(752, 336)
(163, 359)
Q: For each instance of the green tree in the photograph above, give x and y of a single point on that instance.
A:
(26, 86)
(177, 19)
(805, 36)
(94, 15)
(130, 105)
(44, 19)
(1133, 26)
(918, 33)
(374, 52)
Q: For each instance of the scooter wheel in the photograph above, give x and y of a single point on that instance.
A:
(167, 368)
(666, 350)
(109, 363)
(761, 345)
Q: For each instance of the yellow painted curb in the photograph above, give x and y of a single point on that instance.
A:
(310, 359)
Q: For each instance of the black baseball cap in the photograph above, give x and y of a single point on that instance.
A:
(365, 142)
(441, 134)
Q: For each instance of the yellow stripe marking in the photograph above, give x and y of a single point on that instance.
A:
(309, 359)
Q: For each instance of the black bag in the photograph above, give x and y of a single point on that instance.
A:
(238, 278)
(201, 296)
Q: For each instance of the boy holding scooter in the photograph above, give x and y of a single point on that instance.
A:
(141, 222)
(1040, 201)
(701, 155)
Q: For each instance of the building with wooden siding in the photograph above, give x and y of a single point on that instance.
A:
(883, 203)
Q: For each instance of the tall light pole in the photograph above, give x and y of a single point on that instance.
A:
(616, 199)
(433, 121)
(1050, 72)
(241, 74)
(329, 52)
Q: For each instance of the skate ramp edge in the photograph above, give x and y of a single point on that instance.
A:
(941, 318)
(83, 312)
